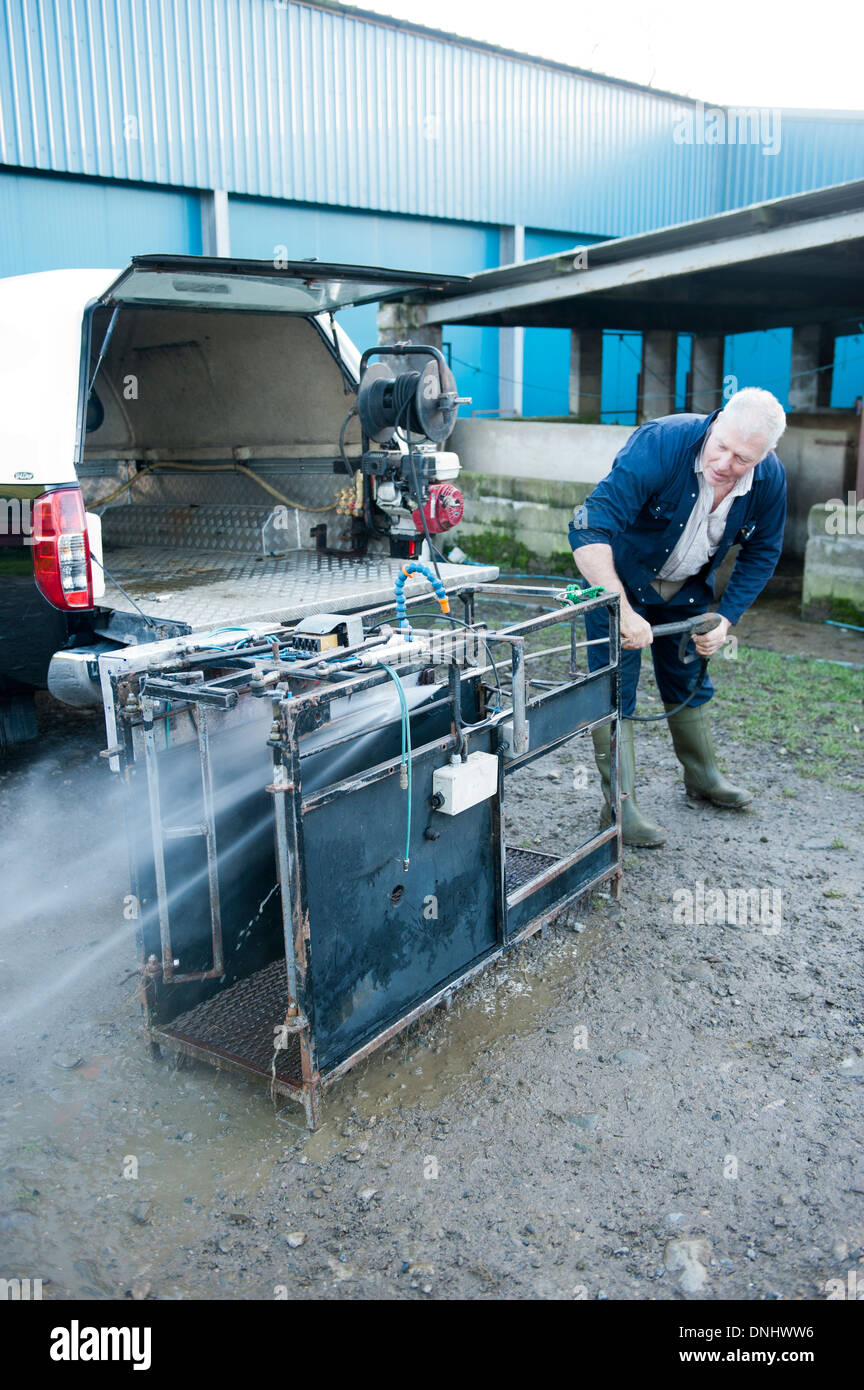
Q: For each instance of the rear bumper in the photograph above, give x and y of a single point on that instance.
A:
(73, 675)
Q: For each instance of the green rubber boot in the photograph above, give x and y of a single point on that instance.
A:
(694, 748)
(636, 829)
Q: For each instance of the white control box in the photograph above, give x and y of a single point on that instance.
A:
(463, 785)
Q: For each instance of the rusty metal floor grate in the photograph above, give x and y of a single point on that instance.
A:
(521, 865)
(238, 1026)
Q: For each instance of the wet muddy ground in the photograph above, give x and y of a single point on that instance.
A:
(650, 1101)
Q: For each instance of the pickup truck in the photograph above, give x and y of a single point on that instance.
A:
(182, 454)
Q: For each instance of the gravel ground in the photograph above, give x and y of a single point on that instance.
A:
(648, 1102)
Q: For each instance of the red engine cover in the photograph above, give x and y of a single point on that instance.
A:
(443, 508)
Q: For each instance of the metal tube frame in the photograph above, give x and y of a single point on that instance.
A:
(305, 710)
(159, 832)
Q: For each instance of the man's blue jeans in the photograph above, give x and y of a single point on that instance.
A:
(674, 681)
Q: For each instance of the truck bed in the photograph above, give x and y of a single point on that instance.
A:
(229, 579)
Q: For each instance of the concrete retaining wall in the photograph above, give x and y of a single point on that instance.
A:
(530, 512)
(834, 562)
(538, 448)
(819, 455)
(527, 475)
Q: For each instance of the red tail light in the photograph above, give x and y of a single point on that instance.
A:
(61, 549)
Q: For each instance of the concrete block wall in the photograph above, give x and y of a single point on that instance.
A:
(532, 512)
(538, 448)
(819, 453)
(834, 562)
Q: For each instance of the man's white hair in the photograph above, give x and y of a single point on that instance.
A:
(756, 414)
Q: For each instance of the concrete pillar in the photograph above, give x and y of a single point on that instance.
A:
(812, 349)
(657, 377)
(403, 322)
(511, 341)
(215, 229)
(586, 372)
(705, 391)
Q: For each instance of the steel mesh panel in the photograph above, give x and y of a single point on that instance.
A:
(521, 865)
(239, 1025)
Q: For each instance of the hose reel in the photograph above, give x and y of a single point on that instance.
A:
(423, 402)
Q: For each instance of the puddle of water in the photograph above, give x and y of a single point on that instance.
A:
(203, 1142)
(140, 1152)
(443, 1051)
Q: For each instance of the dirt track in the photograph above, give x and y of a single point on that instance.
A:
(702, 1138)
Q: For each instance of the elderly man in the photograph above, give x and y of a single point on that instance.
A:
(682, 491)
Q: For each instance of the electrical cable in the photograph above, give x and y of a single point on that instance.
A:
(404, 392)
(128, 597)
(459, 623)
(404, 397)
(348, 469)
(234, 646)
(413, 468)
(381, 531)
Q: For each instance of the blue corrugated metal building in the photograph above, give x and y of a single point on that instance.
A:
(191, 125)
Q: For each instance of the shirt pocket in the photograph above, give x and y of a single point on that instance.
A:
(659, 511)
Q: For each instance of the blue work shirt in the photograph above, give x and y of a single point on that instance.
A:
(641, 508)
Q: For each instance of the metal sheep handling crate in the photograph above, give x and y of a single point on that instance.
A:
(303, 893)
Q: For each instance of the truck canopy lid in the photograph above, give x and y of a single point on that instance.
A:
(288, 287)
(42, 314)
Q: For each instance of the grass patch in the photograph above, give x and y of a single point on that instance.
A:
(839, 610)
(500, 547)
(843, 610)
(797, 704)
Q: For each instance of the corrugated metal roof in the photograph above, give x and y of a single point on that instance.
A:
(757, 217)
(778, 263)
(321, 104)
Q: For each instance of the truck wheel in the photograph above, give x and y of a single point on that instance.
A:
(17, 720)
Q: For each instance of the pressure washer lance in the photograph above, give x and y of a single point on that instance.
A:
(696, 626)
